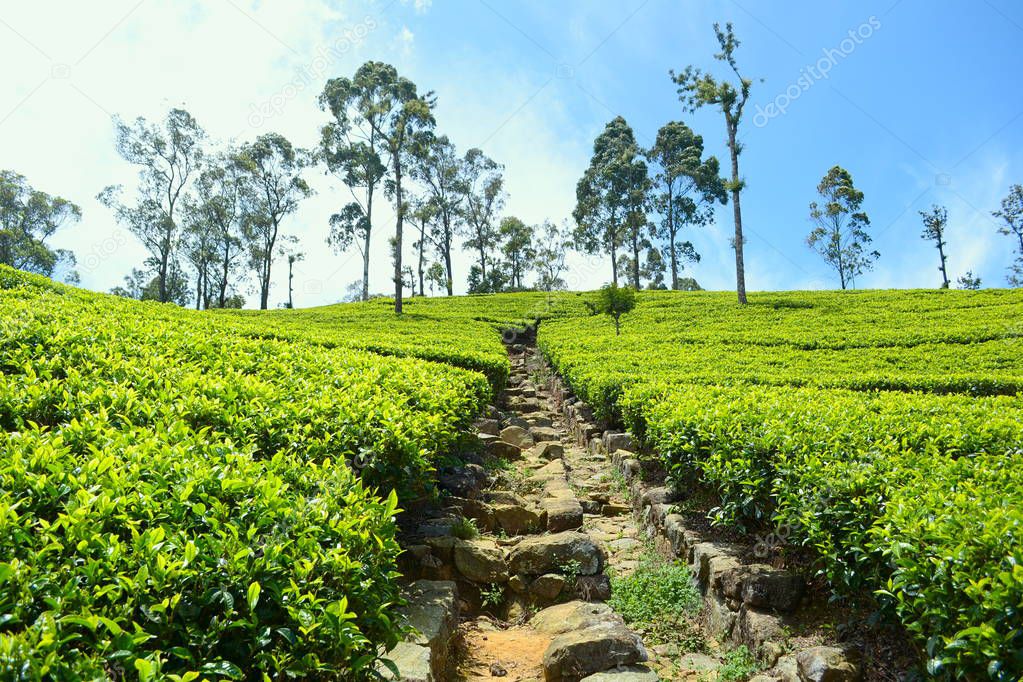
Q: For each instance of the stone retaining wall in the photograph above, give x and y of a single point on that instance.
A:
(745, 603)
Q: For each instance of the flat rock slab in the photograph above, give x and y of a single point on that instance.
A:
(545, 433)
(548, 450)
(563, 513)
(827, 664)
(571, 616)
(503, 449)
(480, 561)
(433, 611)
(518, 436)
(631, 673)
(515, 519)
(574, 655)
(551, 553)
(412, 662)
(491, 427)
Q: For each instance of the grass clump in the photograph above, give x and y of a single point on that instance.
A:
(740, 664)
(660, 599)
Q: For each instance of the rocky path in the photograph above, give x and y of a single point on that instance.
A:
(512, 574)
(553, 624)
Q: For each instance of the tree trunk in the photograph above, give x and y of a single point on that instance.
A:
(291, 300)
(635, 260)
(672, 237)
(365, 248)
(264, 286)
(944, 272)
(447, 260)
(162, 275)
(399, 224)
(740, 267)
(422, 248)
(225, 269)
(614, 267)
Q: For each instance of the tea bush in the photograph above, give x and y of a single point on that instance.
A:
(883, 431)
(179, 499)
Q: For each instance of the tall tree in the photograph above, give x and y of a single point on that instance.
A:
(421, 216)
(437, 276)
(1011, 215)
(606, 195)
(697, 89)
(483, 183)
(935, 221)
(398, 116)
(168, 154)
(28, 217)
(969, 281)
(143, 285)
(290, 250)
(517, 249)
(439, 170)
(840, 235)
(275, 167)
(686, 187)
(352, 147)
(551, 249)
(217, 211)
(199, 248)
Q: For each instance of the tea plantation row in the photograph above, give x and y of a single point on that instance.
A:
(882, 431)
(180, 499)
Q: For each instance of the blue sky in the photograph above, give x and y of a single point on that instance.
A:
(924, 107)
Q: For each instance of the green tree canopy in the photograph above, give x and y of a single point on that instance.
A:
(1011, 215)
(610, 193)
(275, 167)
(935, 221)
(840, 235)
(168, 155)
(352, 148)
(483, 183)
(517, 249)
(398, 115)
(697, 89)
(28, 217)
(686, 187)
(615, 301)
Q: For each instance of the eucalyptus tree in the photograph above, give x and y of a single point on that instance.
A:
(169, 155)
(352, 148)
(552, 245)
(840, 235)
(437, 276)
(274, 167)
(935, 222)
(517, 248)
(483, 184)
(398, 116)
(697, 89)
(421, 216)
(439, 171)
(28, 217)
(969, 281)
(685, 189)
(609, 193)
(1011, 215)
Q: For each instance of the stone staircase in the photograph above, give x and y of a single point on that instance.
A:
(510, 575)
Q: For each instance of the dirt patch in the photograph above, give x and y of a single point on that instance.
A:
(486, 648)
